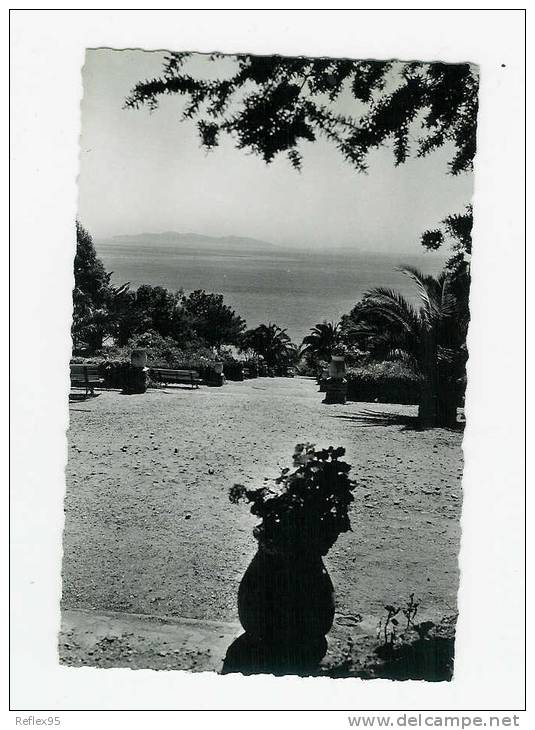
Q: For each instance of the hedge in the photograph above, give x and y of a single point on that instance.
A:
(384, 382)
(117, 373)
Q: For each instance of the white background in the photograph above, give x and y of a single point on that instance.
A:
(47, 54)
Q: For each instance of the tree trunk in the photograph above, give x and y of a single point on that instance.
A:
(95, 342)
(438, 405)
(446, 406)
(427, 408)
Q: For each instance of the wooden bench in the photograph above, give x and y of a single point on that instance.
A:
(85, 376)
(182, 377)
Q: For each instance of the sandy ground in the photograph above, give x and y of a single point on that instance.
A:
(108, 639)
(150, 530)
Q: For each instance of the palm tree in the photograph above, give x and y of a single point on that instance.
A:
(270, 342)
(322, 341)
(431, 337)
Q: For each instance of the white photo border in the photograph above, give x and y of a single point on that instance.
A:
(47, 54)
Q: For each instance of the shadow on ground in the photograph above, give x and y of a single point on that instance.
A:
(81, 397)
(249, 656)
(426, 653)
(430, 660)
(383, 418)
(170, 389)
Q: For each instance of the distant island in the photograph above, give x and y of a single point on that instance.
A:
(190, 242)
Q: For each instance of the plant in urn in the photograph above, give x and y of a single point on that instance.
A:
(286, 597)
(137, 374)
(336, 384)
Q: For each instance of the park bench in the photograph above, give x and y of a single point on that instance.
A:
(85, 376)
(168, 376)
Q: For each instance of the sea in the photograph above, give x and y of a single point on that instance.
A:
(294, 289)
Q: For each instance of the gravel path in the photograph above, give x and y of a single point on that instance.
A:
(150, 530)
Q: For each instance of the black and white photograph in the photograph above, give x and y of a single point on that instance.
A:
(267, 369)
(270, 313)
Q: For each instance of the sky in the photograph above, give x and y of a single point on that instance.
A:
(143, 171)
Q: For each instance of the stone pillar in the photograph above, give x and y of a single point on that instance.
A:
(218, 377)
(336, 384)
(138, 358)
(138, 376)
(337, 367)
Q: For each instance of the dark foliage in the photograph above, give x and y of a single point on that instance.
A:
(90, 277)
(303, 511)
(199, 320)
(384, 382)
(271, 104)
(199, 316)
(430, 339)
(212, 320)
(458, 229)
(322, 343)
(121, 374)
(272, 344)
(163, 351)
(90, 295)
(160, 310)
(233, 369)
(419, 651)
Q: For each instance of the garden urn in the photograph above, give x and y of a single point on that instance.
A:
(286, 598)
(337, 367)
(138, 358)
(217, 376)
(336, 384)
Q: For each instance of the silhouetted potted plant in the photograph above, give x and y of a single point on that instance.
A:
(286, 594)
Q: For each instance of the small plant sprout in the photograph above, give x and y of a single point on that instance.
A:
(410, 611)
(391, 622)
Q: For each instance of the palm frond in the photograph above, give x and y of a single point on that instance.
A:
(400, 355)
(394, 307)
(429, 291)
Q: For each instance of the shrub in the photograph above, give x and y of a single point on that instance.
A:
(384, 382)
(232, 368)
(310, 367)
(263, 370)
(250, 369)
(303, 511)
(255, 367)
(82, 360)
(116, 373)
(163, 351)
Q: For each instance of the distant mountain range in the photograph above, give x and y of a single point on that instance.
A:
(191, 242)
